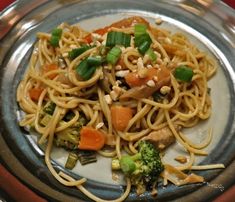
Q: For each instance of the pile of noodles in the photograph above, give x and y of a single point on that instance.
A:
(183, 107)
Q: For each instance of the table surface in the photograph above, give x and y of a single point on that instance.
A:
(11, 189)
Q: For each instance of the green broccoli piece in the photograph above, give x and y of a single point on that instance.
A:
(143, 167)
(128, 163)
(151, 161)
(69, 138)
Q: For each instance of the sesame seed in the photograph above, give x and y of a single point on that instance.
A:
(134, 61)
(122, 73)
(150, 83)
(117, 89)
(118, 67)
(118, 82)
(155, 78)
(165, 90)
(140, 63)
(146, 58)
(158, 21)
(108, 99)
(114, 95)
(73, 46)
(99, 125)
(65, 55)
(168, 40)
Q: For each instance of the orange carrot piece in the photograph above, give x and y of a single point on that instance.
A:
(91, 139)
(120, 117)
(102, 31)
(48, 68)
(132, 78)
(127, 22)
(34, 93)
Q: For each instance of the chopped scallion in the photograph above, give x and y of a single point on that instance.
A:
(151, 54)
(141, 39)
(55, 37)
(54, 40)
(71, 160)
(78, 51)
(139, 29)
(183, 73)
(113, 55)
(88, 74)
(144, 47)
(95, 60)
(86, 157)
(57, 32)
(118, 38)
(84, 70)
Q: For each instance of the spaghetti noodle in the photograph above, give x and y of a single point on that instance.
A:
(148, 84)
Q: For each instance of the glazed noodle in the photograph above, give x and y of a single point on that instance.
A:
(128, 82)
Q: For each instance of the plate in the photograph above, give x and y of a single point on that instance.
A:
(22, 20)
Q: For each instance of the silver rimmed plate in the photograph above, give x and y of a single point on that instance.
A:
(209, 24)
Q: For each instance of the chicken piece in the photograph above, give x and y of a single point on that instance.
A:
(162, 138)
(139, 88)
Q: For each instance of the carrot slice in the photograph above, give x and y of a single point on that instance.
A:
(91, 139)
(102, 31)
(132, 78)
(34, 93)
(127, 22)
(48, 68)
(120, 117)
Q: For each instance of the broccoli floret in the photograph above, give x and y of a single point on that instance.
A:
(144, 167)
(69, 138)
(151, 160)
(129, 164)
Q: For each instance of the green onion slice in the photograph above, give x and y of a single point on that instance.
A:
(144, 47)
(95, 60)
(55, 37)
(141, 39)
(54, 40)
(113, 55)
(71, 160)
(57, 32)
(151, 54)
(183, 73)
(84, 70)
(118, 38)
(78, 51)
(89, 73)
(139, 29)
